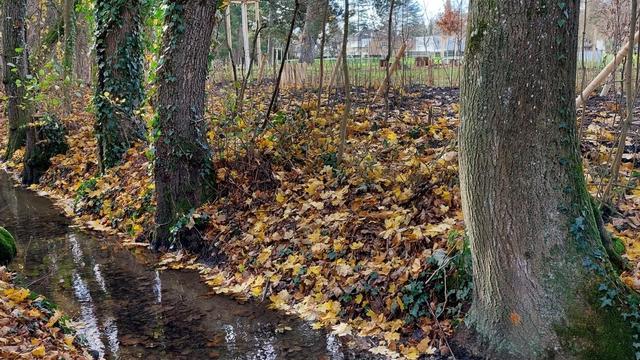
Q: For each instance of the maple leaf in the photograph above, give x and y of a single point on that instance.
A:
(342, 329)
(38, 351)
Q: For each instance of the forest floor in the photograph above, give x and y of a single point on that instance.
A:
(32, 328)
(373, 250)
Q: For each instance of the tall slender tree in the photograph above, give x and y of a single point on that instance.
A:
(183, 166)
(323, 40)
(119, 90)
(15, 71)
(69, 20)
(544, 287)
(347, 86)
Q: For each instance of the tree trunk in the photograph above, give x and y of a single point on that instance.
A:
(543, 286)
(276, 89)
(120, 74)
(69, 18)
(312, 26)
(15, 70)
(347, 87)
(45, 139)
(83, 57)
(2, 70)
(183, 168)
(322, 44)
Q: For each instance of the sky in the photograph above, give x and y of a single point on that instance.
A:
(432, 7)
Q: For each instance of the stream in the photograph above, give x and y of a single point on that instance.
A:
(129, 310)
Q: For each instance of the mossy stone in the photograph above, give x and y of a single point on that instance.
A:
(8, 249)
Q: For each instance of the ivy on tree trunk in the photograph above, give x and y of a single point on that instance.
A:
(183, 164)
(119, 91)
(15, 72)
(543, 285)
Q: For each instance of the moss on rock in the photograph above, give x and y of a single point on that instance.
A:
(8, 249)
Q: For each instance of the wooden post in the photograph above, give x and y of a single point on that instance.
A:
(392, 70)
(602, 76)
(245, 37)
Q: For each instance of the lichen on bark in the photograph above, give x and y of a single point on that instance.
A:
(537, 252)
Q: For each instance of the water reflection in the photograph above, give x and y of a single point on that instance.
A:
(132, 311)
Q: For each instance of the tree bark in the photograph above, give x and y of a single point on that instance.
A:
(347, 87)
(183, 167)
(387, 79)
(15, 72)
(312, 26)
(83, 57)
(543, 286)
(120, 74)
(69, 18)
(322, 44)
(276, 89)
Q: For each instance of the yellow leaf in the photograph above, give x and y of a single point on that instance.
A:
(264, 255)
(315, 236)
(256, 288)
(34, 313)
(411, 353)
(423, 345)
(217, 280)
(38, 352)
(400, 303)
(313, 186)
(390, 136)
(68, 340)
(16, 295)
(342, 329)
(391, 336)
(279, 300)
(54, 319)
(358, 298)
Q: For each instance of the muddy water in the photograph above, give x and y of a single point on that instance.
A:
(130, 310)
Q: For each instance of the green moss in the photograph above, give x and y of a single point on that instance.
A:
(618, 245)
(8, 249)
(476, 36)
(593, 332)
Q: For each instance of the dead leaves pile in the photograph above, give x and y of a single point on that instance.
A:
(341, 247)
(119, 201)
(598, 147)
(30, 329)
(337, 246)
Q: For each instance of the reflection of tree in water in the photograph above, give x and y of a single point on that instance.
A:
(133, 311)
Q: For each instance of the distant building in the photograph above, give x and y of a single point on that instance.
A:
(374, 44)
(442, 46)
